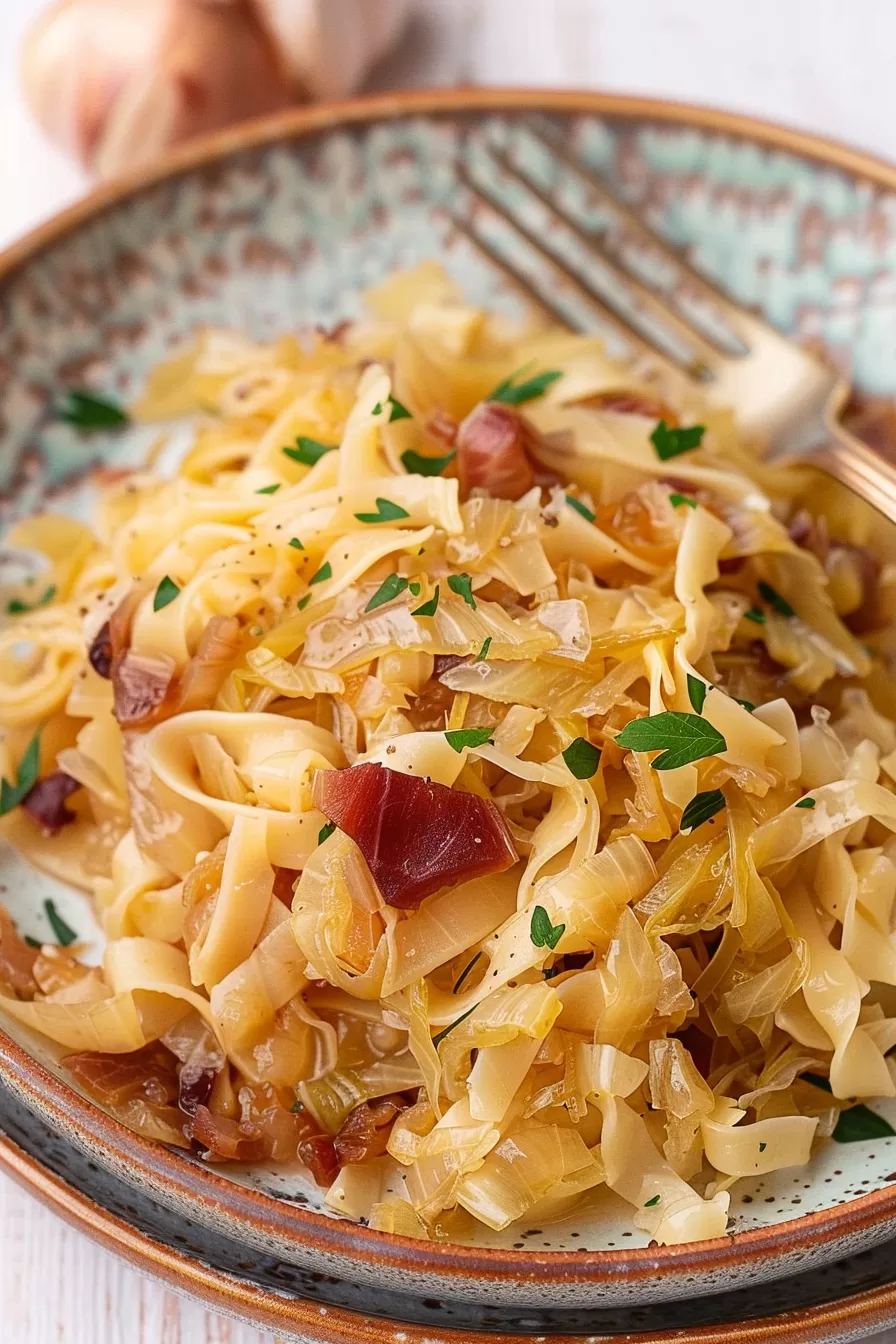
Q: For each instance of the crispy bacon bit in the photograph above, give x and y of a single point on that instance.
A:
(319, 1156)
(443, 427)
(100, 652)
(140, 684)
(366, 1129)
(16, 959)
(223, 1138)
(632, 403)
(491, 452)
(139, 1088)
(417, 836)
(45, 803)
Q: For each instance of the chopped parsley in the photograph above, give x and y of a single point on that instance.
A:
(460, 738)
(774, 599)
(387, 512)
(428, 608)
(682, 738)
(325, 832)
(418, 465)
(325, 572)
(582, 758)
(676, 499)
(805, 802)
(296, 544)
(390, 588)
(65, 935)
(26, 778)
(588, 514)
(396, 410)
(166, 592)
(701, 807)
(697, 689)
(512, 393)
(542, 932)
(309, 451)
(16, 607)
(483, 652)
(88, 411)
(462, 584)
(269, 489)
(670, 442)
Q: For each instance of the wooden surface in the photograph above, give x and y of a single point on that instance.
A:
(807, 62)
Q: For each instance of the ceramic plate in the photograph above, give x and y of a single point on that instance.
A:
(282, 224)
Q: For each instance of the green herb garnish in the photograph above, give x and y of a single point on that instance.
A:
(483, 652)
(774, 599)
(816, 1080)
(166, 592)
(588, 514)
(26, 778)
(465, 972)
(32, 942)
(269, 489)
(297, 1108)
(418, 465)
(303, 602)
(670, 442)
(805, 802)
(396, 410)
(462, 584)
(542, 932)
(860, 1123)
(652, 1203)
(16, 607)
(296, 544)
(762, 1147)
(388, 589)
(325, 572)
(701, 807)
(325, 832)
(697, 689)
(309, 451)
(676, 499)
(754, 614)
(415, 589)
(512, 393)
(747, 705)
(582, 758)
(459, 738)
(87, 411)
(65, 935)
(428, 608)
(387, 512)
(437, 1040)
(682, 738)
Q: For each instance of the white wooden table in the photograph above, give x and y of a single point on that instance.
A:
(812, 63)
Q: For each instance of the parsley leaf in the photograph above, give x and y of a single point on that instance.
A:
(676, 499)
(303, 602)
(652, 1203)
(514, 394)
(774, 599)
(26, 778)
(418, 465)
(465, 972)
(762, 1147)
(483, 652)
(582, 758)
(805, 802)
(16, 607)
(697, 689)
(65, 935)
(588, 514)
(462, 584)
(308, 451)
(859, 1123)
(388, 589)
(294, 542)
(269, 489)
(816, 1080)
(670, 442)
(415, 589)
(459, 738)
(325, 832)
(387, 512)
(701, 807)
(396, 410)
(754, 614)
(32, 942)
(325, 572)
(428, 608)
(87, 411)
(166, 592)
(747, 705)
(681, 738)
(542, 932)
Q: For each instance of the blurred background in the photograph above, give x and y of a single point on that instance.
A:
(112, 82)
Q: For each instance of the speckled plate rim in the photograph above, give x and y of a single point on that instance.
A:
(201, 1188)
(852, 1317)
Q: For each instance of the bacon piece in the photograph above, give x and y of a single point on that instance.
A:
(223, 1138)
(100, 652)
(366, 1129)
(139, 1088)
(140, 684)
(45, 802)
(491, 452)
(319, 1156)
(632, 403)
(417, 836)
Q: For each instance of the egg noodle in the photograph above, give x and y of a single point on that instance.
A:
(483, 772)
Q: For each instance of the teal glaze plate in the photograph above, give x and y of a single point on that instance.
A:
(281, 225)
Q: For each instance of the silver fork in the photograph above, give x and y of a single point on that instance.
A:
(667, 315)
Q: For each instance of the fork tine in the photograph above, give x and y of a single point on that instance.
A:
(540, 300)
(707, 355)
(631, 334)
(740, 322)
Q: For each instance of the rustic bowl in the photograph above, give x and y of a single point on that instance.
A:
(283, 222)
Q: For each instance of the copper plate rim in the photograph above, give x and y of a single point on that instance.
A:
(873, 1310)
(155, 1164)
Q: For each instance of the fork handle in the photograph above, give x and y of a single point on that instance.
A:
(868, 472)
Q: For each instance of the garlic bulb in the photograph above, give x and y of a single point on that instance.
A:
(116, 82)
